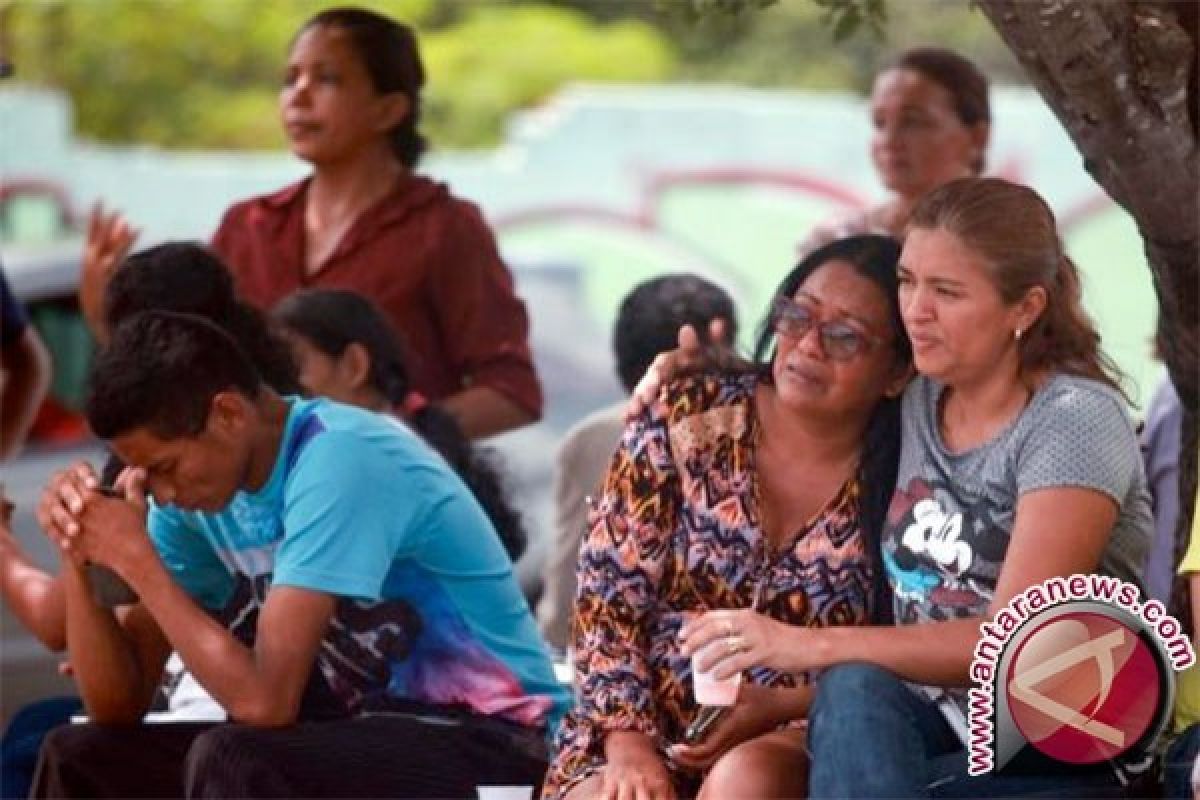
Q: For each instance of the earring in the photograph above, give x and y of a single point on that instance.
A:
(1017, 335)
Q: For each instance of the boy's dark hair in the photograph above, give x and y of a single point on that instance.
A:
(651, 315)
(160, 371)
(333, 319)
(188, 278)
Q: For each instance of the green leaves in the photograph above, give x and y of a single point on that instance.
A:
(843, 17)
(700, 9)
(206, 74)
(846, 17)
(501, 58)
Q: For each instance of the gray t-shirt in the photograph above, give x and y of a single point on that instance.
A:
(952, 514)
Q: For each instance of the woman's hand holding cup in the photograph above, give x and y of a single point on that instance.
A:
(724, 643)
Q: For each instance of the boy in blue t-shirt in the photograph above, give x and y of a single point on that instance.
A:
(284, 535)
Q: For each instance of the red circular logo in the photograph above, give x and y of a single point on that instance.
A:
(1083, 687)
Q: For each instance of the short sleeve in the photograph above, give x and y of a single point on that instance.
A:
(347, 516)
(225, 237)
(1083, 438)
(190, 558)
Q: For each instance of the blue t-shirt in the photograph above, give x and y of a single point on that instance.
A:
(359, 507)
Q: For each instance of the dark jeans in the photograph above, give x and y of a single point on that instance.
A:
(870, 735)
(23, 740)
(383, 755)
(1181, 756)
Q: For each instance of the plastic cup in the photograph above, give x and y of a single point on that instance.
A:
(504, 792)
(708, 690)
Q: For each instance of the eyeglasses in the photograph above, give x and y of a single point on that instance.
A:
(840, 340)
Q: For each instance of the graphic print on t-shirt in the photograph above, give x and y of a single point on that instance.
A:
(441, 623)
(420, 647)
(941, 560)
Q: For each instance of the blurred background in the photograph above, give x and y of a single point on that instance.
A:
(606, 142)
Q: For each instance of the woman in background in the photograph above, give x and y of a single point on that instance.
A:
(930, 121)
(365, 220)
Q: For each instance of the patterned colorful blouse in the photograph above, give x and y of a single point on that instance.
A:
(678, 531)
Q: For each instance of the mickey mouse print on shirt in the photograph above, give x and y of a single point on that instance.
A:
(941, 559)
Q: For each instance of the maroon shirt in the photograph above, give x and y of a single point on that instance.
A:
(426, 259)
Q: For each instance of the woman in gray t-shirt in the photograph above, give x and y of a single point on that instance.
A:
(1019, 464)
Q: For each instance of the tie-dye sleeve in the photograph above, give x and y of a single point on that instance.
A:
(620, 568)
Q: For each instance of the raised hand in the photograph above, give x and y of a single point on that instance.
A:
(88, 525)
(114, 528)
(692, 355)
(109, 237)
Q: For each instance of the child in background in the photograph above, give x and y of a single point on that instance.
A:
(347, 351)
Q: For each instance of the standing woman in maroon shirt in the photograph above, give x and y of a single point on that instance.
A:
(364, 221)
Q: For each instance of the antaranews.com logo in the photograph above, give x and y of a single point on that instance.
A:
(1079, 668)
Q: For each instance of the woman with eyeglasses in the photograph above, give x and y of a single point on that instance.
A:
(761, 490)
(1019, 464)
